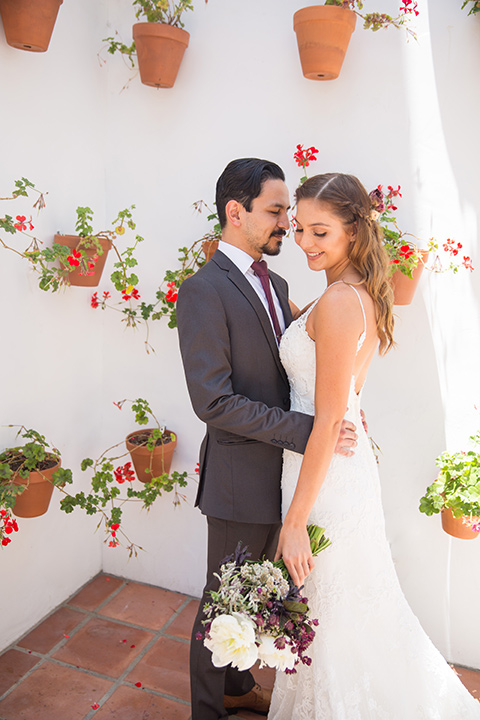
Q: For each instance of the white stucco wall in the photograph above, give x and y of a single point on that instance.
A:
(400, 113)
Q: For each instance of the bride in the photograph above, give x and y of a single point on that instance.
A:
(371, 660)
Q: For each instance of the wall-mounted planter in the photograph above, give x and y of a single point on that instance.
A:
(75, 277)
(35, 499)
(160, 50)
(455, 526)
(159, 460)
(323, 33)
(29, 24)
(404, 287)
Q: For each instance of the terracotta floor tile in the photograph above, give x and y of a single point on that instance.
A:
(129, 703)
(13, 665)
(96, 592)
(143, 605)
(46, 635)
(104, 647)
(183, 623)
(53, 692)
(471, 680)
(165, 668)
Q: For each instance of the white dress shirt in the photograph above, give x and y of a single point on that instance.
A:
(243, 261)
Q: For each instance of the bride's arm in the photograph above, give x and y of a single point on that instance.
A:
(337, 325)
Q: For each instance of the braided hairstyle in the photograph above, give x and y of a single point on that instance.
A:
(348, 200)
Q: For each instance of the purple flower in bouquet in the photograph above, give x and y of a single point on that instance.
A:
(258, 614)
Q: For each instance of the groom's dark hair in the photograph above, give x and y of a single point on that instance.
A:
(242, 180)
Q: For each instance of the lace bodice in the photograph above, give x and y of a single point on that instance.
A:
(297, 353)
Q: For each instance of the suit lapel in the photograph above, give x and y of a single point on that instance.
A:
(282, 298)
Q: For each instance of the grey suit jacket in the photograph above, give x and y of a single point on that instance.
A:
(239, 388)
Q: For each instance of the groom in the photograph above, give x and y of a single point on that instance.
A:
(230, 319)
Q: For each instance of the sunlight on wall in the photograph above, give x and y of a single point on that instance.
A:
(451, 300)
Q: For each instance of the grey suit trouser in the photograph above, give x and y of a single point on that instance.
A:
(208, 683)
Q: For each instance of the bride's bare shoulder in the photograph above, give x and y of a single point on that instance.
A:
(343, 295)
(338, 306)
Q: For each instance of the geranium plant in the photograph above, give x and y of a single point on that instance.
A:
(54, 264)
(108, 475)
(104, 497)
(303, 158)
(163, 11)
(12, 225)
(16, 464)
(473, 5)
(190, 260)
(404, 254)
(374, 20)
(457, 486)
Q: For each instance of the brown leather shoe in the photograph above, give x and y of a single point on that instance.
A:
(257, 700)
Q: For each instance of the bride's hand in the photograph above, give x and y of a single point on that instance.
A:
(347, 439)
(294, 548)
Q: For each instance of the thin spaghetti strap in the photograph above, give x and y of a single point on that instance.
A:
(361, 305)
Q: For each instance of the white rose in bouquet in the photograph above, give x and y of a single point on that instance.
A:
(279, 658)
(232, 640)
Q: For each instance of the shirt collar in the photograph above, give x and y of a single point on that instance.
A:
(239, 257)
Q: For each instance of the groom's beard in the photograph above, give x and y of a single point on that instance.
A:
(274, 245)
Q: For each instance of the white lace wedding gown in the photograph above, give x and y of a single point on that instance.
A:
(371, 659)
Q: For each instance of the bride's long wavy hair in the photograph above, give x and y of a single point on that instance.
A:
(346, 198)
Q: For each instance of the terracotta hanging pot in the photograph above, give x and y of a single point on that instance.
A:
(29, 24)
(159, 460)
(209, 247)
(455, 526)
(323, 33)
(160, 50)
(404, 287)
(75, 277)
(35, 499)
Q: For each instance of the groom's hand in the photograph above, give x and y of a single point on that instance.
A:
(347, 439)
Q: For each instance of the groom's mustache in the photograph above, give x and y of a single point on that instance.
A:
(279, 233)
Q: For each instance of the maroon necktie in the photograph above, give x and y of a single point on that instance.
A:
(260, 269)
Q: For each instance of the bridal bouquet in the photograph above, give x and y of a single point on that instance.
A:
(258, 614)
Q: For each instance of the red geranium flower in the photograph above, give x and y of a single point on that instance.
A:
(74, 258)
(123, 473)
(304, 157)
(20, 224)
(406, 251)
(409, 6)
